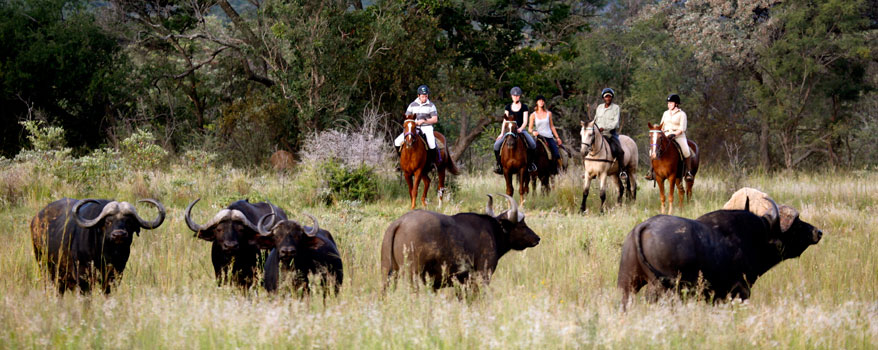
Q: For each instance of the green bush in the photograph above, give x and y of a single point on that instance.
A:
(141, 152)
(350, 184)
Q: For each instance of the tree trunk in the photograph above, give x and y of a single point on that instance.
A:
(764, 138)
(466, 136)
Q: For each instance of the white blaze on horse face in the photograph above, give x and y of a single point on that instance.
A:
(653, 144)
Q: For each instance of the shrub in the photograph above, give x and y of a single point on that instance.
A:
(351, 184)
(196, 159)
(141, 152)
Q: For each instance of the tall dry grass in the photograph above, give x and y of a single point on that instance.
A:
(560, 294)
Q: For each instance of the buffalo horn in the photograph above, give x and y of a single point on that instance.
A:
(189, 222)
(111, 207)
(263, 231)
(512, 215)
(149, 225)
(489, 208)
(314, 228)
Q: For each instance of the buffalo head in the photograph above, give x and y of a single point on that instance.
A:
(518, 234)
(118, 220)
(285, 235)
(229, 227)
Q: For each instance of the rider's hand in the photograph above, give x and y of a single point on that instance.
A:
(672, 136)
(419, 122)
(536, 133)
(559, 141)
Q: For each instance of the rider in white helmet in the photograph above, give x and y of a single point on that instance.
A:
(425, 117)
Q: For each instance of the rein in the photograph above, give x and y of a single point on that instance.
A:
(659, 145)
(594, 152)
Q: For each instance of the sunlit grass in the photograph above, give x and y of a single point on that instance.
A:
(560, 294)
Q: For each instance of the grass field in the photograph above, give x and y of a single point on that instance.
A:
(560, 294)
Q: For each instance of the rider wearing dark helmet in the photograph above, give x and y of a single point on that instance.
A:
(519, 110)
(607, 117)
(425, 117)
(674, 125)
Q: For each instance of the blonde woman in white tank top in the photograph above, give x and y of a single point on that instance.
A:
(545, 127)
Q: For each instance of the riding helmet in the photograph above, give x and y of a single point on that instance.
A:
(539, 97)
(516, 91)
(423, 90)
(608, 91)
(674, 98)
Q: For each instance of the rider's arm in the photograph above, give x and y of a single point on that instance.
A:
(554, 132)
(526, 120)
(683, 123)
(433, 120)
(530, 124)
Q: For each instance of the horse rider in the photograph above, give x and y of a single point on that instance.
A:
(606, 118)
(425, 117)
(542, 118)
(674, 126)
(518, 110)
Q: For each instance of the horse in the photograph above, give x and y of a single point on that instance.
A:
(513, 158)
(545, 167)
(413, 160)
(598, 162)
(667, 164)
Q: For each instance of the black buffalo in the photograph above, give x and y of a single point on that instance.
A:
(233, 234)
(721, 254)
(302, 251)
(457, 248)
(83, 242)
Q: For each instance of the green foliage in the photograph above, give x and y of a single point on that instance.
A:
(44, 138)
(359, 184)
(141, 152)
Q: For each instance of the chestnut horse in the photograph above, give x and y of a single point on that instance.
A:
(413, 161)
(513, 158)
(667, 163)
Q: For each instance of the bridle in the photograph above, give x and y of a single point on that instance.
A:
(511, 124)
(409, 126)
(659, 144)
(592, 150)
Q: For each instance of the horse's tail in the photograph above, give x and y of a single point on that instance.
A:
(451, 166)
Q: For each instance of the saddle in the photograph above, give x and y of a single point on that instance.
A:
(542, 141)
(440, 144)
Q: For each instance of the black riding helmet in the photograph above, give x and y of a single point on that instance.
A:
(423, 90)
(516, 91)
(674, 98)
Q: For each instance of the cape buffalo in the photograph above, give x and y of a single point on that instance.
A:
(233, 234)
(82, 242)
(300, 250)
(448, 248)
(725, 250)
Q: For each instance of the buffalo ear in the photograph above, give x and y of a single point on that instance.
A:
(264, 242)
(206, 234)
(788, 216)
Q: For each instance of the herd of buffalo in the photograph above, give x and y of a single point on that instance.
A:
(718, 255)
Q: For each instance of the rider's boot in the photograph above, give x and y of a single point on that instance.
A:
(398, 153)
(649, 175)
(498, 168)
(531, 160)
(688, 170)
(619, 155)
(432, 157)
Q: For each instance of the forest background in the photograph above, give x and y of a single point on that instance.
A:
(766, 84)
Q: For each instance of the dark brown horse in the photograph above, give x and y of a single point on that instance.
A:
(513, 158)
(667, 163)
(546, 167)
(413, 161)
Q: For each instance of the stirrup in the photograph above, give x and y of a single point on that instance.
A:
(650, 176)
(623, 175)
(532, 167)
(689, 176)
(498, 170)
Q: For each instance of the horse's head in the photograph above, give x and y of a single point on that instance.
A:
(656, 139)
(587, 136)
(510, 132)
(409, 129)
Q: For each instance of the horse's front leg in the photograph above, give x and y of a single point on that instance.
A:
(508, 176)
(414, 189)
(441, 191)
(603, 182)
(522, 184)
(585, 186)
(661, 186)
(681, 191)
